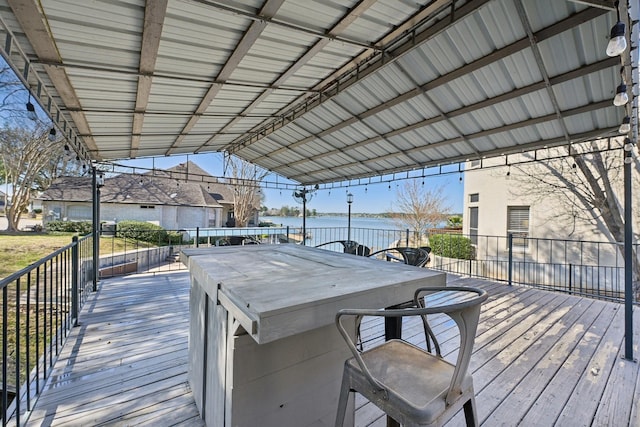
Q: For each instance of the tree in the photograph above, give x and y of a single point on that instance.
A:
(31, 162)
(245, 181)
(420, 208)
(587, 188)
(454, 221)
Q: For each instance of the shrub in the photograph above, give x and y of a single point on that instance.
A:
(140, 230)
(451, 246)
(80, 227)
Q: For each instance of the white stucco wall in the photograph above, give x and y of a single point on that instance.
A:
(497, 191)
(117, 213)
(169, 217)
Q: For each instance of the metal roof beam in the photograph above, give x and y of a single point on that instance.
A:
(484, 133)
(570, 75)
(339, 86)
(357, 73)
(541, 66)
(154, 14)
(250, 36)
(33, 23)
(603, 4)
(340, 26)
(261, 17)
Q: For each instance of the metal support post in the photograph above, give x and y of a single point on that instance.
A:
(74, 280)
(510, 266)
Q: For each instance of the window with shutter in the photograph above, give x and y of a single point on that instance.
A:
(473, 225)
(518, 224)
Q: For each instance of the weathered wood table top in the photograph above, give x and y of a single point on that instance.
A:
(281, 290)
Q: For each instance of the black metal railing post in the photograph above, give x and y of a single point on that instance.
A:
(96, 229)
(74, 280)
(197, 237)
(570, 279)
(628, 252)
(510, 265)
(5, 355)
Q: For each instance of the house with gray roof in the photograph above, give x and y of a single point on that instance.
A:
(184, 196)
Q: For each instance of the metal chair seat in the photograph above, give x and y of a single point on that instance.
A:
(410, 397)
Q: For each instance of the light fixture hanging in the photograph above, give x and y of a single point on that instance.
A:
(625, 127)
(618, 41)
(52, 135)
(621, 97)
(31, 110)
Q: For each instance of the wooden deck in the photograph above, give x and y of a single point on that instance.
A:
(540, 359)
(126, 364)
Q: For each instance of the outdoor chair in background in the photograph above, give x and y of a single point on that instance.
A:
(414, 386)
(349, 247)
(238, 240)
(410, 256)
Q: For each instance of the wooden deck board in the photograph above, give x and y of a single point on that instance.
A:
(540, 359)
(126, 364)
(533, 361)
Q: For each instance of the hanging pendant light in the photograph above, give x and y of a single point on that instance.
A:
(621, 97)
(31, 110)
(625, 127)
(618, 41)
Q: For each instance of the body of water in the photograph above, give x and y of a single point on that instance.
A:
(375, 233)
(333, 221)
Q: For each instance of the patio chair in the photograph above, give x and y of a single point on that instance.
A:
(410, 256)
(238, 240)
(348, 247)
(413, 386)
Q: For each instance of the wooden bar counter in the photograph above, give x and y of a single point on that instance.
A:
(263, 346)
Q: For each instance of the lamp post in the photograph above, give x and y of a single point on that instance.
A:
(349, 201)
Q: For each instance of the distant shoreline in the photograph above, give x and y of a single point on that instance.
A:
(353, 214)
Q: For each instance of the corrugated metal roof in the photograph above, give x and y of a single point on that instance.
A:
(320, 91)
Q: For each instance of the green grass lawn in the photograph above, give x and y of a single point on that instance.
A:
(17, 251)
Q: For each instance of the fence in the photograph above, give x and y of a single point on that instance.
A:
(40, 304)
(589, 268)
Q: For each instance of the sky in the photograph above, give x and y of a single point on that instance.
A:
(372, 198)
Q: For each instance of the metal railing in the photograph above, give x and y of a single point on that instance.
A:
(588, 268)
(374, 238)
(40, 304)
(594, 269)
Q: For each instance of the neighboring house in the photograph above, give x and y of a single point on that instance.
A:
(170, 198)
(497, 203)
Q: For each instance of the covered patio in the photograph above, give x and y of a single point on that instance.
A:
(330, 95)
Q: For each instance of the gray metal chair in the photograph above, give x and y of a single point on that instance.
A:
(410, 256)
(414, 386)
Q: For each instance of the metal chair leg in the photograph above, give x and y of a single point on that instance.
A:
(345, 390)
(470, 415)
